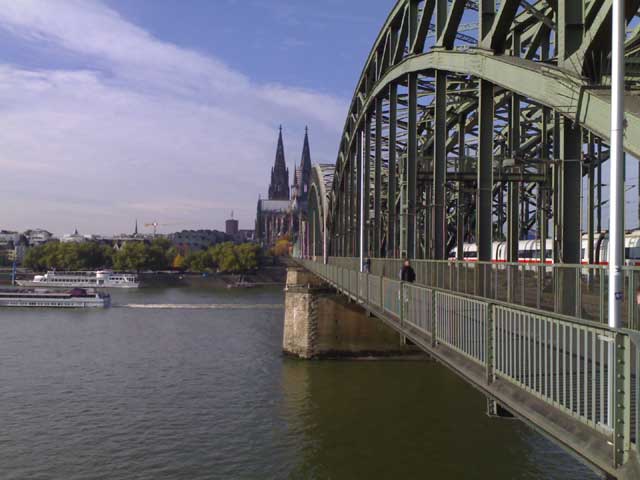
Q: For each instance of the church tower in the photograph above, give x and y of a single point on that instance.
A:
(279, 187)
(304, 180)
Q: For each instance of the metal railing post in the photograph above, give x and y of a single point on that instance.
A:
(621, 400)
(490, 345)
(632, 316)
(402, 304)
(366, 286)
(539, 285)
(634, 338)
(434, 323)
(356, 293)
(578, 310)
(554, 275)
(602, 295)
(637, 406)
(523, 269)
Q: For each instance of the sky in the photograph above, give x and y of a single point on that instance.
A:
(167, 110)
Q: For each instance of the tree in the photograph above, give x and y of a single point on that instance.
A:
(136, 256)
(248, 255)
(199, 262)
(69, 256)
(224, 256)
(171, 254)
(178, 262)
(132, 256)
(281, 248)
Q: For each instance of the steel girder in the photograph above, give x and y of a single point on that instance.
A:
(488, 142)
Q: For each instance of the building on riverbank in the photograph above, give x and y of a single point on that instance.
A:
(76, 237)
(281, 213)
(38, 236)
(196, 240)
(231, 226)
(273, 217)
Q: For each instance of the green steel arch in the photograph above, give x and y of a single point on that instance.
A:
(318, 208)
(472, 122)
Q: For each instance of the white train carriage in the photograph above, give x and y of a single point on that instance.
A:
(529, 250)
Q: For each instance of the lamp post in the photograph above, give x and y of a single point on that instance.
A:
(616, 172)
(362, 200)
(616, 165)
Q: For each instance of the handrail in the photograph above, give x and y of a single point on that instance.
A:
(492, 301)
(511, 341)
(532, 263)
(572, 290)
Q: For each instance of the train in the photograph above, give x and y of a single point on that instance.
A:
(529, 250)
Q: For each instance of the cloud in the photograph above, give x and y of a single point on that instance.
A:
(145, 128)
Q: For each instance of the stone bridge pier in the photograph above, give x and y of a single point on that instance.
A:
(320, 323)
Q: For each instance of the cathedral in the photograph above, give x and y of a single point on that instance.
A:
(279, 216)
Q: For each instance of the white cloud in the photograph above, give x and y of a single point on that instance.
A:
(146, 129)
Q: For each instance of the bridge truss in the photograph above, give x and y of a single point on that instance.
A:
(477, 122)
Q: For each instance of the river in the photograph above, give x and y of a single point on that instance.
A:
(154, 388)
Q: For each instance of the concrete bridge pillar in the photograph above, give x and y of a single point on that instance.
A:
(319, 323)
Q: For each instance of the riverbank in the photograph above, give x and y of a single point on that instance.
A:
(271, 275)
(265, 276)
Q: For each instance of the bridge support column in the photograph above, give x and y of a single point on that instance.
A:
(495, 410)
(570, 209)
(484, 195)
(391, 195)
(377, 175)
(319, 323)
(411, 168)
(438, 217)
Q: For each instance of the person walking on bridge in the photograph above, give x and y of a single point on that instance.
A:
(366, 267)
(407, 274)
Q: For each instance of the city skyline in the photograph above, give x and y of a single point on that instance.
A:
(114, 110)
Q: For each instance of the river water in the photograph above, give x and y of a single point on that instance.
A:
(154, 388)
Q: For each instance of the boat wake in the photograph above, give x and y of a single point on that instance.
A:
(202, 306)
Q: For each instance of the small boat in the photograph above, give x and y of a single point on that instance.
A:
(95, 279)
(74, 298)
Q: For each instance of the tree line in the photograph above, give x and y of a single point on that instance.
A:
(159, 254)
(224, 257)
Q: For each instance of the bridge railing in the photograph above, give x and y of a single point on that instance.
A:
(575, 290)
(461, 323)
(419, 308)
(563, 362)
(580, 367)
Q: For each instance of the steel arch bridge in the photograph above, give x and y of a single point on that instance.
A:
(489, 134)
(475, 121)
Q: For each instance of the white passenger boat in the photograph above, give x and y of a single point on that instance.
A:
(74, 298)
(99, 279)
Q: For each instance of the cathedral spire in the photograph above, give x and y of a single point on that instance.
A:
(279, 188)
(305, 162)
(304, 181)
(280, 162)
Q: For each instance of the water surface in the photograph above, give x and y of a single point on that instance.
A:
(157, 389)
